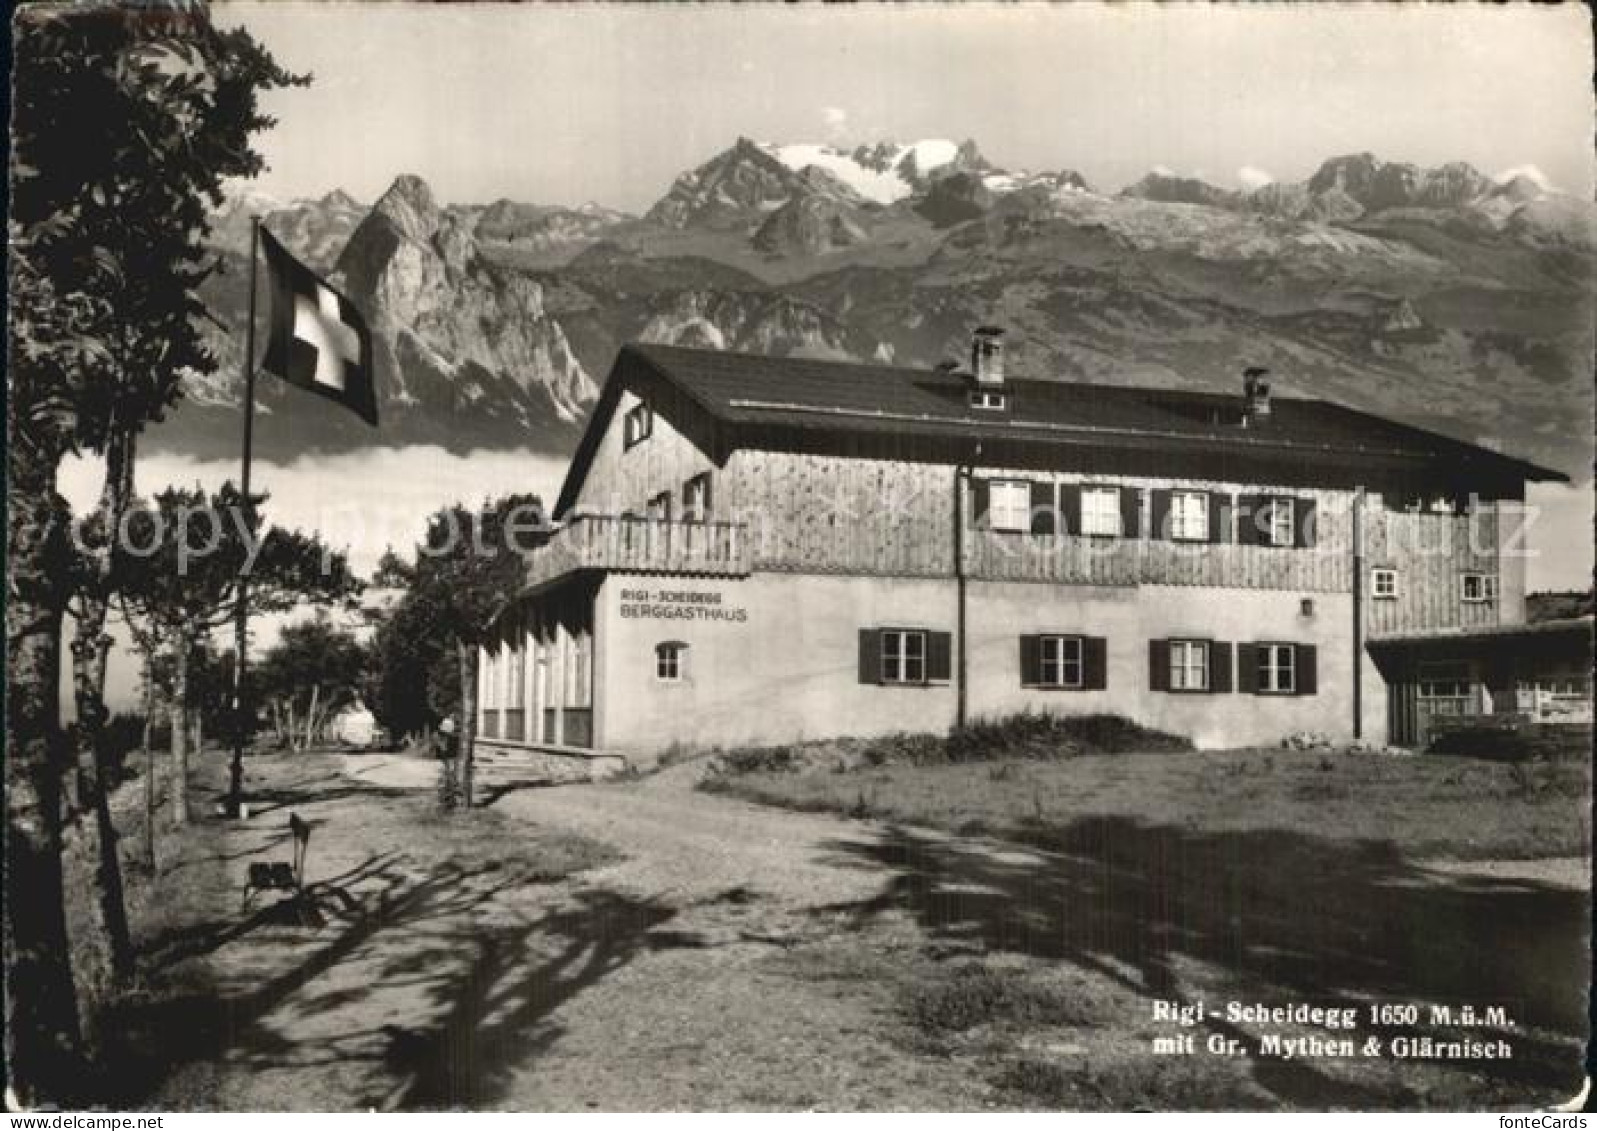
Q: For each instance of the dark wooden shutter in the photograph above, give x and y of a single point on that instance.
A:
(1248, 669)
(1094, 663)
(1159, 665)
(1307, 531)
(1030, 661)
(1130, 511)
(1044, 516)
(870, 655)
(1219, 517)
(1159, 513)
(980, 501)
(939, 656)
(1070, 507)
(1250, 514)
(1308, 674)
(1220, 653)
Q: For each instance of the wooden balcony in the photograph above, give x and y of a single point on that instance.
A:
(1075, 560)
(641, 545)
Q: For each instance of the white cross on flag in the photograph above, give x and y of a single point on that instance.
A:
(318, 339)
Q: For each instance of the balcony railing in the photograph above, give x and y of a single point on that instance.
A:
(641, 545)
(1077, 560)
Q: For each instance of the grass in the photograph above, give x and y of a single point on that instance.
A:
(1456, 807)
(977, 994)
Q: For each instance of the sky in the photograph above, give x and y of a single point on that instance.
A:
(565, 104)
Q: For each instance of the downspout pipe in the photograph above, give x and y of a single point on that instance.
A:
(1358, 612)
(962, 475)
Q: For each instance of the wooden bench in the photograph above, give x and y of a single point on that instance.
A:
(279, 875)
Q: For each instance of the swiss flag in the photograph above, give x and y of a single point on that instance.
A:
(318, 340)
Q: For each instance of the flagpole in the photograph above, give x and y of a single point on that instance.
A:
(235, 793)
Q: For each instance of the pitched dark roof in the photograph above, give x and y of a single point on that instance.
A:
(726, 401)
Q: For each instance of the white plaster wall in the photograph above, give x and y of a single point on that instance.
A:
(789, 669)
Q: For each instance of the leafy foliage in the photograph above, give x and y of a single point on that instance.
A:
(184, 558)
(108, 230)
(314, 663)
(466, 565)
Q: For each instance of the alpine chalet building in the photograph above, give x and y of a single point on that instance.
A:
(752, 550)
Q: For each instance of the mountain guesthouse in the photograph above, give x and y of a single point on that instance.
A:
(753, 550)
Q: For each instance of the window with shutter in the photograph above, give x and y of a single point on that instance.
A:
(939, 657)
(1220, 667)
(1308, 670)
(1280, 523)
(1189, 516)
(1189, 665)
(1159, 665)
(903, 654)
(1009, 506)
(1030, 661)
(1276, 669)
(1095, 663)
(1100, 512)
(1044, 512)
(1159, 514)
(1131, 507)
(870, 656)
(1308, 527)
(637, 425)
(1061, 662)
(696, 498)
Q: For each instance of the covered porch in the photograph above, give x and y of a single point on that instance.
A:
(1506, 676)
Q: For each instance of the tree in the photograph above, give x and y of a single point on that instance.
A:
(184, 560)
(125, 121)
(416, 672)
(313, 671)
(468, 565)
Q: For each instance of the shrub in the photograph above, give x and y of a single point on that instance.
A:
(1027, 735)
(1552, 741)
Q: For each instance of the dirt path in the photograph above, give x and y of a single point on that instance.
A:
(713, 964)
(643, 946)
(730, 997)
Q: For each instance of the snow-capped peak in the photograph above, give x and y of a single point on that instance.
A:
(882, 177)
(1525, 172)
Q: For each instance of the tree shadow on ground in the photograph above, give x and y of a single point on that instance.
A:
(499, 1010)
(1287, 916)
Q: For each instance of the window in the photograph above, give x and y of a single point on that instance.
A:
(1446, 688)
(638, 424)
(696, 498)
(987, 399)
(1480, 587)
(903, 656)
(671, 661)
(1061, 661)
(1383, 584)
(1278, 522)
(1009, 506)
(1189, 516)
(1189, 665)
(659, 507)
(1278, 668)
(1100, 511)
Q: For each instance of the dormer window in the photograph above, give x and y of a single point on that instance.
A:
(638, 424)
(988, 400)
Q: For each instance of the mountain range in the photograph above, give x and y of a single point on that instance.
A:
(1440, 296)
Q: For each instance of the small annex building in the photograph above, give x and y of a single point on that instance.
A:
(754, 550)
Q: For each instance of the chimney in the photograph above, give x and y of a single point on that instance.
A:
(1255, 396)
(987, 356)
